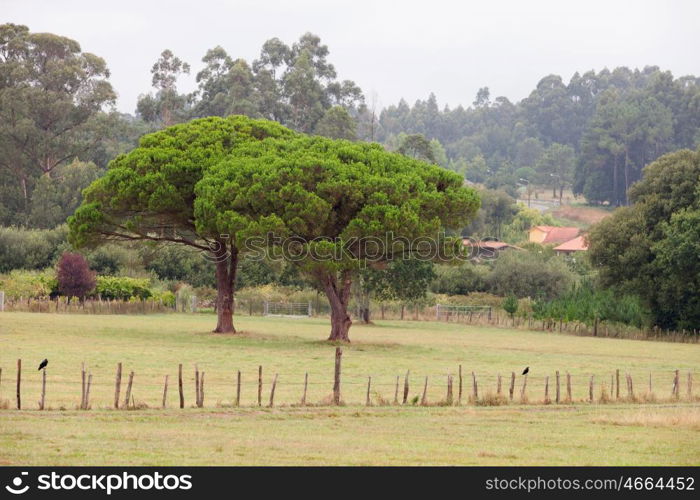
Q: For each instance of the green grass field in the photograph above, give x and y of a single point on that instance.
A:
(663, 433)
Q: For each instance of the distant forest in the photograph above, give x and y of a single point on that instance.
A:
(593, 134)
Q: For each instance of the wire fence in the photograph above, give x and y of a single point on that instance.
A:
(199, 386)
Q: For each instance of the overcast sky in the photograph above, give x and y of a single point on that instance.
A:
(394, 49)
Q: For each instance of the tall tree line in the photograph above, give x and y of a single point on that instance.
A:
(59, 128)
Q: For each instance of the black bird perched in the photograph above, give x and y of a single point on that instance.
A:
(43, 364)
(526, 370)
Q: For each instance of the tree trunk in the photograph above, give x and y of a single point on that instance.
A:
(365, 315)
(226, 266)
(338, 297)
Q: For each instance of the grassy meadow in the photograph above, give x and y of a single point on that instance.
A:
(661, 432)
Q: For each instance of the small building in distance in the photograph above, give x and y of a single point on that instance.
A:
(487, 249)
(572, 246)
(552, 235)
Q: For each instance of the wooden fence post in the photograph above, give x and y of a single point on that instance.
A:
(369, 387)
(201, 390)
(523, 389)
(128, 390)
(82, 386)
(617, 384)
(546, 390)
(558, 389)
(590, 390)
(512, 385)
(259, 385)
(272, 391)
(396, 391)
(405, 387)
(117, 385)
(459, 391)
(650, 389)
(87, 391)
(336, 375)
(179, 386)
(676, 384)
(475, 388)
(196, 386)
(449, 398)
(630, 387)
(19, 384)
(424, 398)
(165, 392)
(690, 386)
(306, 386)
(568, 388)
(498, 384)
(238, 388)
(43, 390)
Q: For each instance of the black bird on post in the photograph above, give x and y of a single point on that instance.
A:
(526, 370)
(43, 364)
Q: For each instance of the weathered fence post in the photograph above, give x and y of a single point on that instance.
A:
(165, 392)
(630, 387)
(676, 384)
(512, 385)
(201, 390)
(196, 386)
(424, 398)
(179, 386)
(369, 387)
(87, 391)
(238, 388)
(259, 385)
(272, 391)
(405, 387)
(498, 384)
(590, 390)
(546, 391)
(396, 391)
(128, 390)
(617, 384)
(690, 386)
(459, 390)
(82, 386)
(43, 390)
(650, 389)
(523, 389)
(336, 375)
(19, 384)
(568, 388)
(558, 390)
(306, 386)
(117, 385)
(449, 398)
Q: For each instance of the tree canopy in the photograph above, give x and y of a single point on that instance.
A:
(328, 199)
(651, 247)
(149, 194)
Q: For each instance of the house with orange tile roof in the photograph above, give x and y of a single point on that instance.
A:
(552, 235)
(574, 245)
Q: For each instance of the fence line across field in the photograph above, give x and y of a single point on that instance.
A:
(288, 309)
(458, 386)
(447, 312)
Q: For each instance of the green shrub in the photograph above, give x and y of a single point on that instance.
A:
(30, 248)
(122, 288)
(29, 284)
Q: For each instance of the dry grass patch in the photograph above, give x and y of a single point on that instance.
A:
(688, 418)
